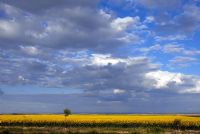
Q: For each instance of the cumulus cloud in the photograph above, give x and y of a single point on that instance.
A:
(110, 74)
(175, 82)
(149, 19)
(182, 23)
(68, 27)
(160, 5)
(171, 48)
(31, 50)
(170, 38)
(186, 23)
(118, 91)
(183, 61)
(183, 57)
(8, 29)
(163, 78)
(178, 48)
(180, 59)
(156, 47)
(102, 76)
(74, 44)
(121, 24)
(38, 7)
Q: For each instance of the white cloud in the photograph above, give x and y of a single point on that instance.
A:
(191, 52)
(21, 78)
(103, 60)
(121, 24)
(37, 35)
(171, 38)
(31, 50)
(104, 14)
(8, 29)
(149, 19)
(192, 10)
(172, 48)
(66, 28)
(176, 48)
(195, 89)
(130, 38)
(118, 91)
(182, 59)
(56, 45)
(74, 29)
(151, 48)
(163, 78)
(176, 82)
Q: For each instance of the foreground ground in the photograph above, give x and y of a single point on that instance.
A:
(95, 130)
(79, 123)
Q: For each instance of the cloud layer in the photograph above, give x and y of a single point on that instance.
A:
(113, 57)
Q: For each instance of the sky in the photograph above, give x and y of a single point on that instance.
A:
(100, 56)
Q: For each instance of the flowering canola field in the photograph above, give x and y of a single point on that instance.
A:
(98, 120)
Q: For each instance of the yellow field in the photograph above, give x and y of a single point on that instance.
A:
(185, 120)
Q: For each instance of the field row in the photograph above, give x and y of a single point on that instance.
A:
(167, 121)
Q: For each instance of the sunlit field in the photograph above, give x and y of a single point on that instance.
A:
(182, 121)
(98, 123)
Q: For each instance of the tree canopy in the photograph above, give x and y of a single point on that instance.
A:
(67, 111)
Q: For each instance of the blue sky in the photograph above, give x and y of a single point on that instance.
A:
(100, 56)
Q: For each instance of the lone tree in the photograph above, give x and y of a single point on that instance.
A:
(67, 112)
